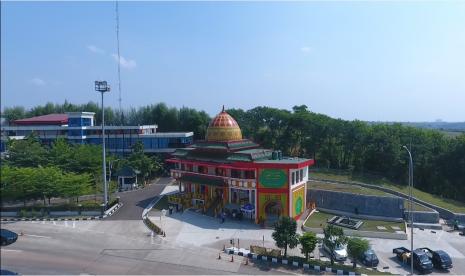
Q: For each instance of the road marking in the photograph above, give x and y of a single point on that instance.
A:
(66, 223)
(11, 250)
(54, 223)
(74, 224)
(37, 236)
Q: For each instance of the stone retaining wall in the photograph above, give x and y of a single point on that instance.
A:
(424, 216)
(443, 213)
(381, 206)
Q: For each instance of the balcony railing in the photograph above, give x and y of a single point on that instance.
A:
(232, 181)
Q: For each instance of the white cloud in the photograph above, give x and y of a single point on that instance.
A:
(305, 49)
(95, 49)
(125, 63)
(38, 81)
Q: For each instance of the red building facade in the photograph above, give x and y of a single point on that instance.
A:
(225, 171)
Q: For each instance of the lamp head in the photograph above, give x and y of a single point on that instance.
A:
(102, 86)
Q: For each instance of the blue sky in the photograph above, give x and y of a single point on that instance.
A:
(386, 61)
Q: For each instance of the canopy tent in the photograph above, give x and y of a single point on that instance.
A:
(249, 210)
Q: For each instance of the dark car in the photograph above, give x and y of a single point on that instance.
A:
(8, 236)
(421, 262)
(440, 259)
(369, 258)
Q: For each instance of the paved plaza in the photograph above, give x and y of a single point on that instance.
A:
(193, 230)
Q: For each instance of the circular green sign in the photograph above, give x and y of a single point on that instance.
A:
(273, 178)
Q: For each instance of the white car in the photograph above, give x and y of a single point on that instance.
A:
(339, 253)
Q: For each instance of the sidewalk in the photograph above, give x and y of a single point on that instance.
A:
(189, 229)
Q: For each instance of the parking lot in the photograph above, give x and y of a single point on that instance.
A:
(451, 242)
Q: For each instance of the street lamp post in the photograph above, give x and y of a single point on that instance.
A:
(102, 87)
(410, 183)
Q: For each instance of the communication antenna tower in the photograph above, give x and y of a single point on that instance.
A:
(119, 61)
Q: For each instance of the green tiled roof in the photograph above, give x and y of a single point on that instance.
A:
(285, 160)
(239, 157)
(203, 180)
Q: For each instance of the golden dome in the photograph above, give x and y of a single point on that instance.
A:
(223, 128)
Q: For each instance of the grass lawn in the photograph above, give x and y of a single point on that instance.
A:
(161, 204)
(318, 220)
(452, 205)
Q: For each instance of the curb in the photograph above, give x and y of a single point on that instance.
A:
(66, 219)
(146, 218)
(293, 263)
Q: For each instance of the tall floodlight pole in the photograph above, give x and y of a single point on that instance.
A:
(410, 183)
(102, 87)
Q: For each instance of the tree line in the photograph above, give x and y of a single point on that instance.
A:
(31, 170)
(167, 118)
(361, 147)
(354, 146)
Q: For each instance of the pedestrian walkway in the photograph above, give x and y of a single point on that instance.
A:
(190, 229)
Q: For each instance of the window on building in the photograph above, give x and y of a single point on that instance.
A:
(250, 174)
(235, 173)
(220, 171)
(203, 169)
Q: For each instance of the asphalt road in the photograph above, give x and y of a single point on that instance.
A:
(134, 202)
(117, 245)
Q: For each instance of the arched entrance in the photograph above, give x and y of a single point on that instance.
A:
(273, 210)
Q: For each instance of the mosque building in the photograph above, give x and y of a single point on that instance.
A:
(227, 172)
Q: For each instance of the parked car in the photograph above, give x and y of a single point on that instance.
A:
(369, 258)
(339, 253)
(421, 262)
(7, 236)
(440, 259)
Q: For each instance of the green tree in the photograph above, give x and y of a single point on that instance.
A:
(308, 241)
(26, 153)
(355, 248)
(47, 182)
(13, 113)
(74, 185)
(141, 162)
(333, 237)
(285, 233)
(22, 181)
(61, 155)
